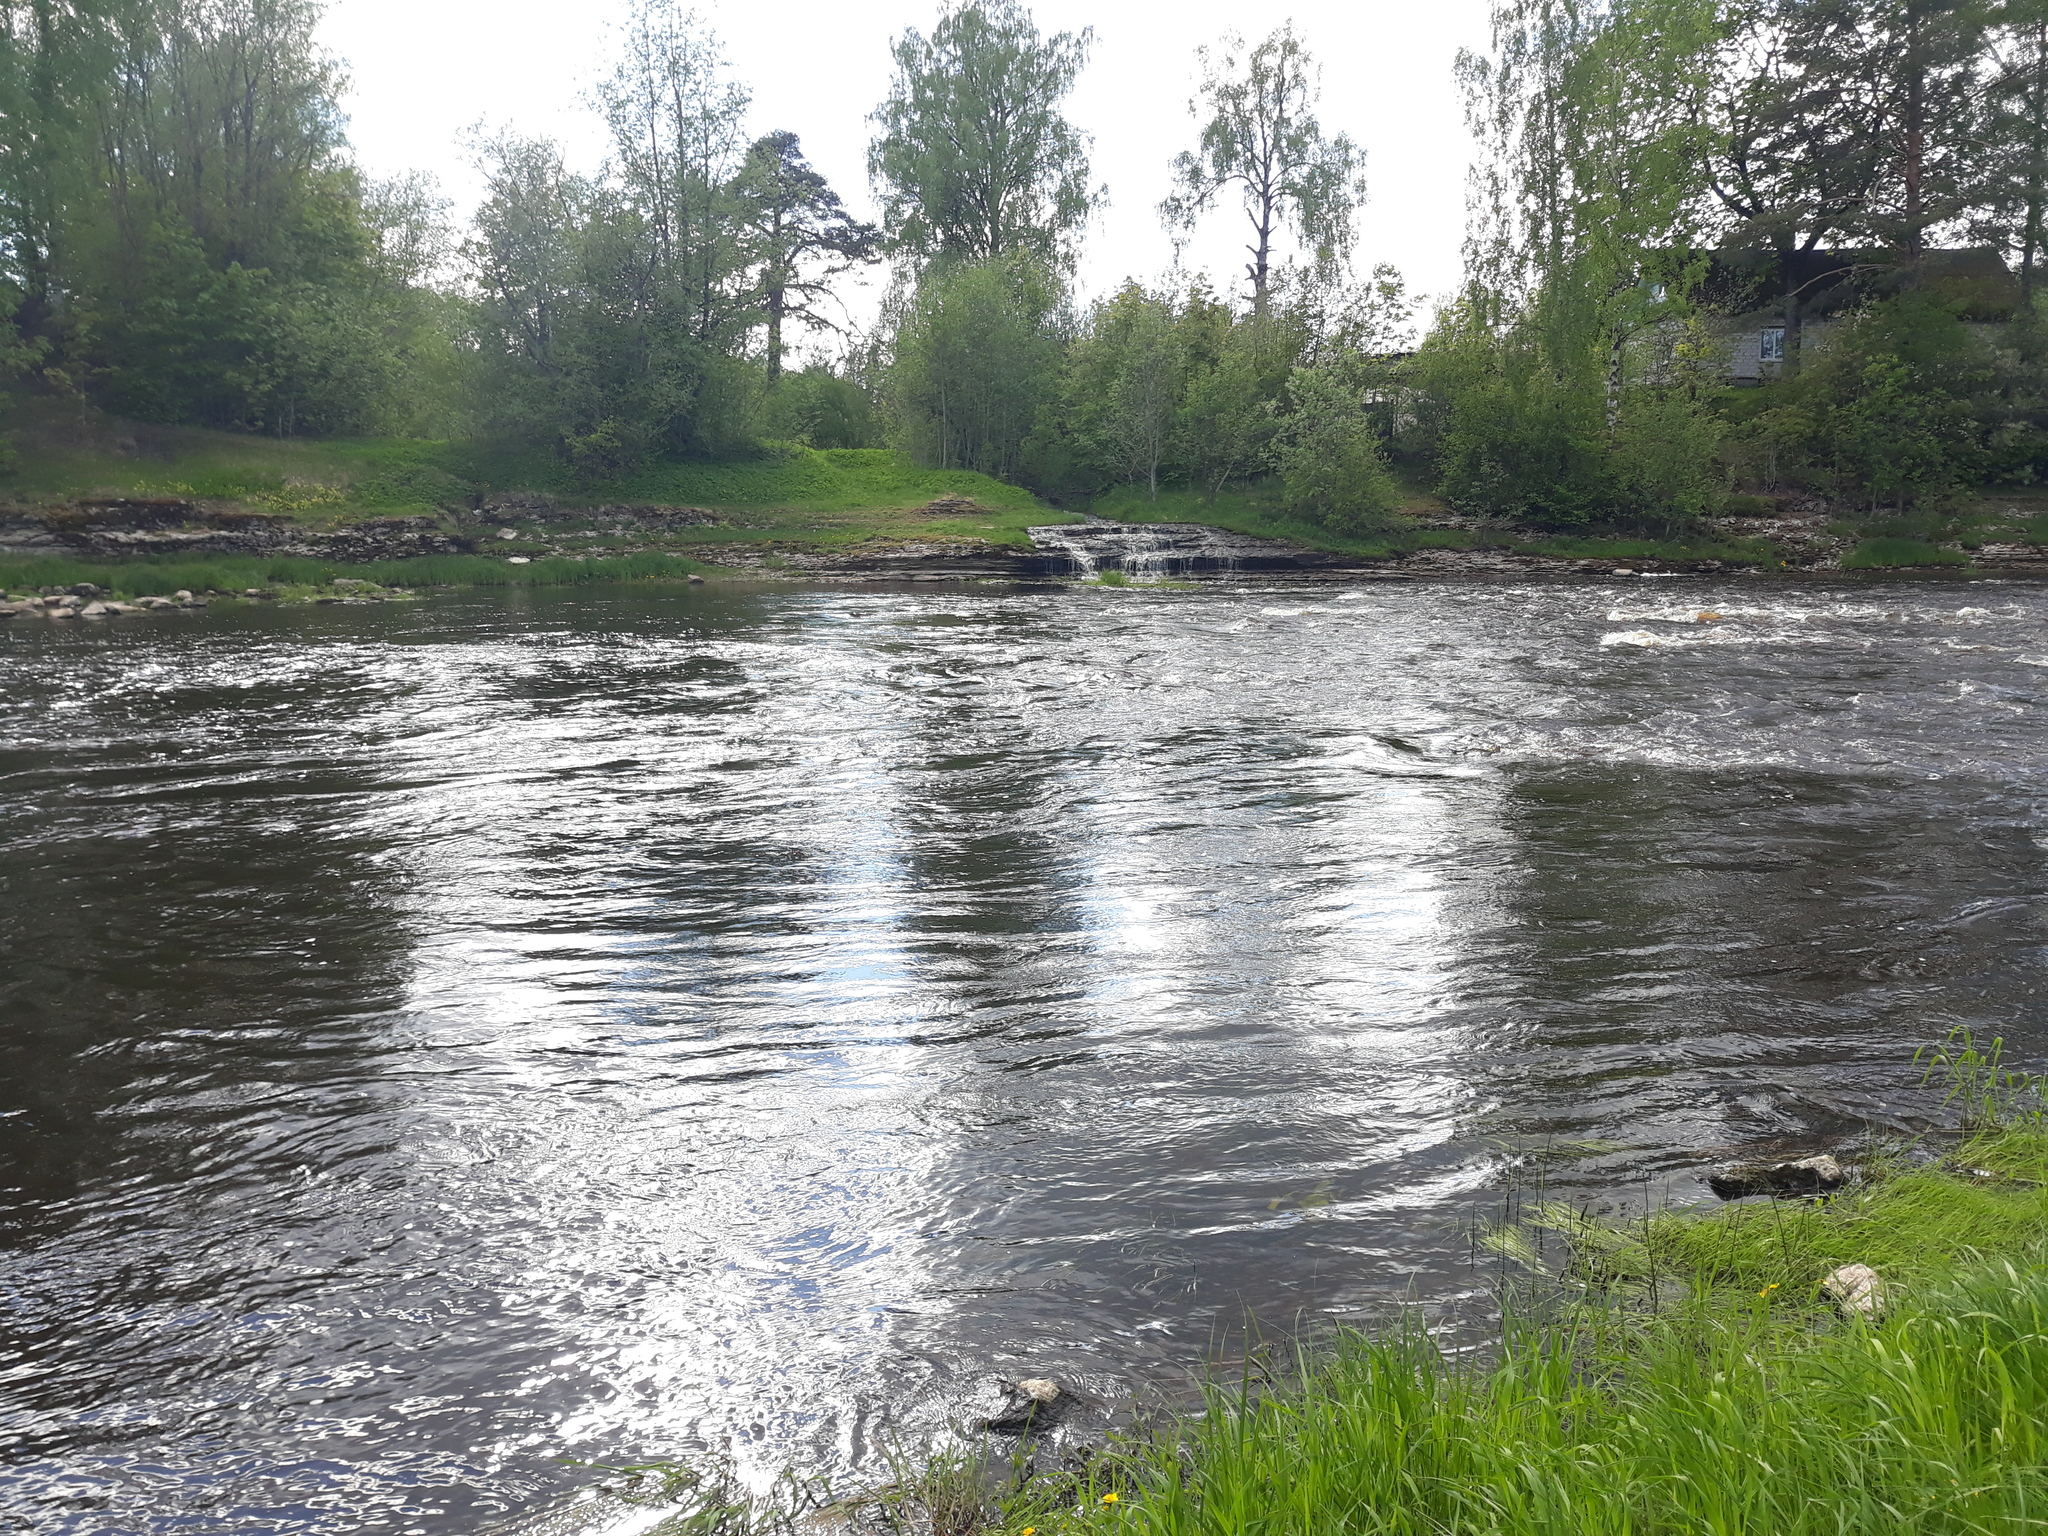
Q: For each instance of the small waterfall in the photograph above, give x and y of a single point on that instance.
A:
(1165, 549)
(1081, 559)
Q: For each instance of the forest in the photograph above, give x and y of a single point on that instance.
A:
(1857, 186)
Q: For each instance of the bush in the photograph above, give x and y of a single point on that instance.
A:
(1329, 457)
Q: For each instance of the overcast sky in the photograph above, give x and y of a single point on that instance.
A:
(424, 70)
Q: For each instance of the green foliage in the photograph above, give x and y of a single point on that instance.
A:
(1932, 1422)
(819, 409)
(181, 235)
(1566, 388)
(1329, 455)
(977, 359)
(1124, 384)
(1905, 406)
(1262, 138)
(798, 237)
(974, 161)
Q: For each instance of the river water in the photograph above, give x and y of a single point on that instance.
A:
(445, 1041)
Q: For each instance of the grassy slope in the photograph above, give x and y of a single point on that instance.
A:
(339, 479)
(796, 496)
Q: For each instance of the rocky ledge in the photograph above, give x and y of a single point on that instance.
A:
(123, 529)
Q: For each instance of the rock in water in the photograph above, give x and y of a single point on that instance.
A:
(1032, 1403)
(1820, 1175)
(1856, 1289)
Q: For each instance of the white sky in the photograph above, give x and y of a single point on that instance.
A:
(424, 70)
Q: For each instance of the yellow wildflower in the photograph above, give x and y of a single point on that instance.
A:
(1109, 1498)
(1766, 1291)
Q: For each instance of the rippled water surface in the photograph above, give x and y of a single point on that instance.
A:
(446, 1038)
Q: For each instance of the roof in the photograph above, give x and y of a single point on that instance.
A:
(1976, 278)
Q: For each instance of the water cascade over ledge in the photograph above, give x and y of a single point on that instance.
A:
(1170, 549)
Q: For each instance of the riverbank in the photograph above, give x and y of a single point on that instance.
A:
(143, 510)
(1863, 1350)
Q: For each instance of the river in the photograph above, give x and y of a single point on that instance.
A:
(446, 1041)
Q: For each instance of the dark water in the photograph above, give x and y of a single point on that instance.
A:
(440, 1039)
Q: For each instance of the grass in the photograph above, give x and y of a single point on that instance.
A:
(1679, 1375)
(1890, 551)
(784, 493)
(1935, 1420)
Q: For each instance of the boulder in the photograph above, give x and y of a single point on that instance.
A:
(696, 581)
(181, 596)
(1031, 1404)
(1820, 1175)
(85, 589)
(1857, 1290)
(94, 611)
(154, 602)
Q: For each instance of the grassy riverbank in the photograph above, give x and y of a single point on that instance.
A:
(60, 458)
(1679, 1374)
(785, 499)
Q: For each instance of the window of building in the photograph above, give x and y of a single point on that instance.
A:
(1772, 349)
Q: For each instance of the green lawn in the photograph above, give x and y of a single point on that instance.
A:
(334, 481)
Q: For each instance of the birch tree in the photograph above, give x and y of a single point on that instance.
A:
(1262, 140)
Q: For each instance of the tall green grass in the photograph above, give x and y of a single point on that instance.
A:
(1934, 1421)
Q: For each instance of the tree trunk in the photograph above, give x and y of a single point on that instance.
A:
(1789, 353)
(2037, 130)
(1916, 135)
(775, 304)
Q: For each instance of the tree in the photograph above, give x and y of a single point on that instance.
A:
(676, 132)
(525, 251)
(800, 237)
(977, 360)
(1590, 191)
(1125, 381)
(1262, 137)
(974, 160)
(2017, 134)
(1329, 457)
(1934, 49)
(1795, 110)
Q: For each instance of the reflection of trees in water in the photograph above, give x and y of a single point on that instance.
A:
(200, 929)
